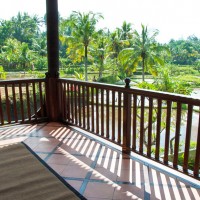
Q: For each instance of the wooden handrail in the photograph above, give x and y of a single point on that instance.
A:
(151, 123)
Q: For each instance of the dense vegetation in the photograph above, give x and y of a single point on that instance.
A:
(86, 52)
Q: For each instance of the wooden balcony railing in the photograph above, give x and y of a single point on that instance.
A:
(161, 126)
(21, 101)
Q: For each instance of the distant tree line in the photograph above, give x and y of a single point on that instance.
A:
(85, 49)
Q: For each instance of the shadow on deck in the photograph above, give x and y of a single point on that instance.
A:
(97, 168)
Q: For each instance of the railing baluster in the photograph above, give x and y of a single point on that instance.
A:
(119, 116)
(150, 127)
(1, 109)
(167, 132)
(83, 97)
(134, 122)
(177, 135)
(34, 101)
(68, 103)
(72, 102)
(113, 115)
(97, 110)
(28, 101)
(14, 103)
(187, 138)
(158, 129)
(41, 99)
(79, 104)
(92, 106)
(75, 103)
(21, 102)
(7, 104)
(102, 112)
(107, 114)
(142, 126)
(64, 104)
(197, 156)
(88, 108)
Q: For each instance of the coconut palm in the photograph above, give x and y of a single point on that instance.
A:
(144, 50)
(98, 51)
(126, 31)
(83, 28)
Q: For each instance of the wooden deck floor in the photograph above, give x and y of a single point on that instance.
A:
(97, 169)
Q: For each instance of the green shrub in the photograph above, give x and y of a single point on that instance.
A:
(193, 81)
(109, 79)
(2, 73)
(182, 70)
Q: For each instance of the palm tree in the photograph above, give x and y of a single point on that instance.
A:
(83, 28)
(126, 31)
(98, 50)
(25, 27)
(144, 50)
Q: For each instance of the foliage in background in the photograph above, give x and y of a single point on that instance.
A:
(119, 53)
(166, 83)
(2, 73)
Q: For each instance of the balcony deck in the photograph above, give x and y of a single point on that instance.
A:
(97, 168)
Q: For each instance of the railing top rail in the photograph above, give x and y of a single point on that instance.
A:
(15, 81)
(143, 92)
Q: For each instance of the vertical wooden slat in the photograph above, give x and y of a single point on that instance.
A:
(119, 116)
(68, 103)
(92, 105)
(134, 122)
(83, 97)
(28, 101)
(167, 132)
(14, 103)
(88, 109)
(64, 102)
(158, 129)
(177, 135)
(197, 156)
(142, 126)
(102, 112)
(1, 109)
(72, 102)
(107, 114)
(97, 110)
(187, 138)
(113, 115)
(21, 102)
(34, 101)
(79, 104)
(75, 103)
(7, 104)
(150, 127)
(41, 99)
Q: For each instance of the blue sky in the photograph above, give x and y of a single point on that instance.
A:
(173, 18)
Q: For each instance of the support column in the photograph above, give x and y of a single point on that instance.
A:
(52, 75)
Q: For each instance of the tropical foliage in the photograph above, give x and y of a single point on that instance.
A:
(107, 55)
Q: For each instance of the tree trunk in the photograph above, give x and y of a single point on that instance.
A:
(142, 69)
(85, 62)
(101, 70)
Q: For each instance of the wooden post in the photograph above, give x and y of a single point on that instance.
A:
(126, 119)
(52, 93)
